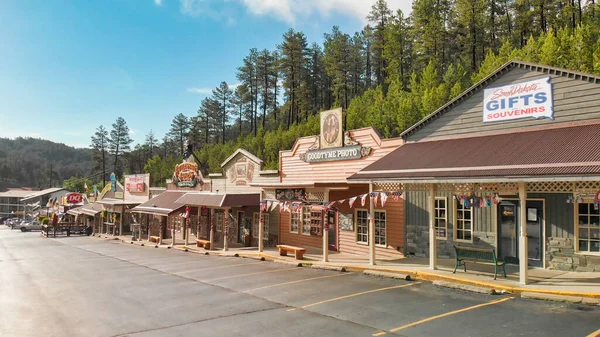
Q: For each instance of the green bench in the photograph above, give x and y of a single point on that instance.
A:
(471, 254)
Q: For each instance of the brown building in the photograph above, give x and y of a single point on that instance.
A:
(312, 174)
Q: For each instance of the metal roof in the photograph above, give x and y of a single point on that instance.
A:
(162, 204)
(41, 193)
(564, 151)
(219, 200)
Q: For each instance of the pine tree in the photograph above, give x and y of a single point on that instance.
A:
(119, 143)
(240, 99)
(100, 145)
(379, 17)
(150, 144)
(397, 51)
(222, 96)
(293, 52)
(337, 64)
(180, 127)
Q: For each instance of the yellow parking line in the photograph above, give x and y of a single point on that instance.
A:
(380, 333)
(297, 281)
(354, 295)
(594, 334)
(249, 274)
(219, 267)
(450, 313)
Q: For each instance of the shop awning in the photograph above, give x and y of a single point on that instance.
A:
(548, 153)
(163, 204)
(89, 209)
(219, 200)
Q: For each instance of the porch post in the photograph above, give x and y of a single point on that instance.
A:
(432, 234)
(140, 229)
(172, 232)
(325, 229)
(225, 229)
(261, 221)
(523, 253)
(185, 230)
(121, 220)
(372, 258)
(211, 223)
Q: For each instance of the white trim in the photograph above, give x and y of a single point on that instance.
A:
(588, 227)
(455, 227)
(245, 153)
(356, 210)
(381, 210)
(485, 168)
(445, 218)
(290, 223)
(302, 215)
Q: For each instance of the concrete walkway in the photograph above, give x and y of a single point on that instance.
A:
(582, 284)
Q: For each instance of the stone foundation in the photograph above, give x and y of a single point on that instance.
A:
(560, 255)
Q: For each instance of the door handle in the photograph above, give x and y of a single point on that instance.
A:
(529, 236)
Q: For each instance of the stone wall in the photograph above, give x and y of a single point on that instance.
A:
(417, 242)
(560, 255)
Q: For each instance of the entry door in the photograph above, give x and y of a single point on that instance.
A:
(333, 230)
(240, 223)
(509, 231)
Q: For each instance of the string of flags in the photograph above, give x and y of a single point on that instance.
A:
(296, 206)
(473, 200)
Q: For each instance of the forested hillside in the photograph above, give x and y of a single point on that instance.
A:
(40, 163)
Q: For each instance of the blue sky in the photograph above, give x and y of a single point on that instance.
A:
(67, 67)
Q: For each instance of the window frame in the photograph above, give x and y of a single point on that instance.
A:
(356, 234)
(305, 219)
(437, 217)
(457, 221)
(385, 229)
(298, 223)
(587, 227)
(219, 224)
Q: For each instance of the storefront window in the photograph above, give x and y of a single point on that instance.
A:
(380, 228)
(294, 221)
(306, 220)
(362, 226)
(256, 223)
(441, 219)
(219, 221)
(464, 223)
(588, 223)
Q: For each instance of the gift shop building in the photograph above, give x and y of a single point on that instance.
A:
(512, 164)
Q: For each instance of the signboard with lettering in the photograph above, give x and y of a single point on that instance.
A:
(186, 175)
(74, 198)
(134, 183)
(521, 100)
(341, 153)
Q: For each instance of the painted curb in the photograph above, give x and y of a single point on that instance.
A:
(260, 258)
(551, 297)
(332, 268)
(464, 287)
(387, 274)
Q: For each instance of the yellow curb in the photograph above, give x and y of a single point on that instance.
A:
(416, 273)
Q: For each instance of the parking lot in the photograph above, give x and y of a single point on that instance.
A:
(86, 286)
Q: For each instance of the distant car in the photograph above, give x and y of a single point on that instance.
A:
(26, 226)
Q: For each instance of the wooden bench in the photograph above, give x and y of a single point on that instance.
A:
(298, 252)
(203, 243)
(470, 254)
(155, 239)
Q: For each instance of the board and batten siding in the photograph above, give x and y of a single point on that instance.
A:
(575, 100)
(294, 170)
(394, 224)
(559, 215)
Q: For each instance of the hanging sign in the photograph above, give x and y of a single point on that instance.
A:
(186, 174)
(74, 198)
(521, 100)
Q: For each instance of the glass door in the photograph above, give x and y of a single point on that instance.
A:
(535, 240)
(508, 229)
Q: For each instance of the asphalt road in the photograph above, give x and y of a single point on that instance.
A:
(86, 286)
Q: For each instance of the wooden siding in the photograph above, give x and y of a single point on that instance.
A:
(559, 214)
(575, 100)
(225, 185)
(294, 170)
(287, 238)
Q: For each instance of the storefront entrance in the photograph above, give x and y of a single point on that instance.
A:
(332, 220)
(509, 230)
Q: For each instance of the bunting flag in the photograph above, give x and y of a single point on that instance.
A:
(383, 196)
(396, 195)
(263, 206)
(341, 201)
(269, 203)
(329, 205)
(363, 199)
(374, 196)
(274, 205)
(351, 201)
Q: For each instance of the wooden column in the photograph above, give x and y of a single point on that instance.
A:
(372, 257)
(172, 232)
(261, 222)
(186, 230)
(523, 253)
(432, 238)
(121, 220)
(211, 221)
(325, 230)
(225, 229)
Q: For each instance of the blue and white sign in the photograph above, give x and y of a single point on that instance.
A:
(521, 100)
(113, 182)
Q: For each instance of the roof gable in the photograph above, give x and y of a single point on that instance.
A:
(496, 75)
(244, 153)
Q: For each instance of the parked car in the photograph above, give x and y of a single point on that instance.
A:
(30, 226)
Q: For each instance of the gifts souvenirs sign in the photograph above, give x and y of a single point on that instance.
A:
(186, 175)
(333, 144)
(521, 100)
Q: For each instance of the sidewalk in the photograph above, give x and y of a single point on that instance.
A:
(543, 281)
